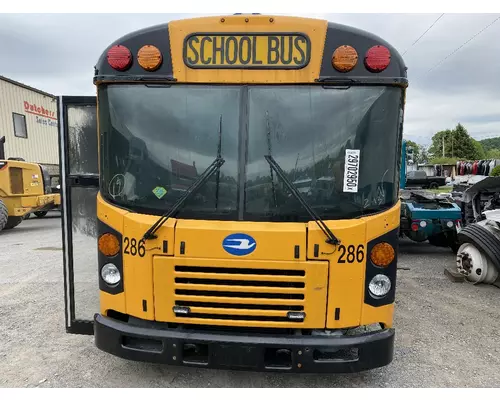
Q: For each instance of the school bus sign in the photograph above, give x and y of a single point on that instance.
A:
(255, 51)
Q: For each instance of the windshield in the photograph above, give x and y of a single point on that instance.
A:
(157, 139)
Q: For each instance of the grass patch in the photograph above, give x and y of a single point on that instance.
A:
(442, 189)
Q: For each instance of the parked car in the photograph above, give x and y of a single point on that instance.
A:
(420, 179)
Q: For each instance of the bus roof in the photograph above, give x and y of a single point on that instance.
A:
(251, 49)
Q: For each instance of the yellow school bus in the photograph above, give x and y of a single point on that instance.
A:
(186, 239)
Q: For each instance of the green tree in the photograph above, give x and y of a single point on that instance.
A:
(457, 143)
(491, 144)
(495, 171)
(479, 150)
(493, 153)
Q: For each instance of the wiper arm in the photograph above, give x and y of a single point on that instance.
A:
(331, 238)
(213, 168)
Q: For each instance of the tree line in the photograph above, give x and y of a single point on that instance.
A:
(451, 145)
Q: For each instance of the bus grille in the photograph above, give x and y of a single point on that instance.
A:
(239, 294)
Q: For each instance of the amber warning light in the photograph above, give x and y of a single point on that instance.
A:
(345, 58)
(149, 58)
(109, 245)
(382, 254)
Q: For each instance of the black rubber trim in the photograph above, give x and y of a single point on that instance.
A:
(392, 238)
(157, 36)
(483, 239)
(241, 351)
(339, 35)
(117, 260)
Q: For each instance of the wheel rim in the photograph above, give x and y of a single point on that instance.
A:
(474, 265)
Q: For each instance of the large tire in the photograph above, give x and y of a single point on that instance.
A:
(483, 239)
(12, 222)
(4, 215)
(40, 214)
(433, 185)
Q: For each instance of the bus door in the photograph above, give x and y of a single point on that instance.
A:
(78, 155)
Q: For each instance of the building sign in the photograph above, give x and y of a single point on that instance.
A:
(43, 116)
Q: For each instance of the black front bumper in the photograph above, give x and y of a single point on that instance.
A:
(244, 352)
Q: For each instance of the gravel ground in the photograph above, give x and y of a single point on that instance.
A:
(447, 334)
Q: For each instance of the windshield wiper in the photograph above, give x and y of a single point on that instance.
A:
(212, 169)
(331, 238)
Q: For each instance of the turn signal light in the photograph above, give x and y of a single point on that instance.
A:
(119, 58)
(109, 245)
(377, 58)
(344, 58)
(149, 58)
(382, 254)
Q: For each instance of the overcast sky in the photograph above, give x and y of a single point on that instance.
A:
(57, 52)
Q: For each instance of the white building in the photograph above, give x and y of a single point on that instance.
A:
(28, 124)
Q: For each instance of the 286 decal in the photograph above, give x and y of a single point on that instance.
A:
(351, 253)
(134, 247)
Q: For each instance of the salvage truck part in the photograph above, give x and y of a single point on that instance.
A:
(208, 253)
(478, 257)
(426, 216)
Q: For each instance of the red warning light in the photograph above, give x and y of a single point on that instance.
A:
(377, 58)
(119, 58)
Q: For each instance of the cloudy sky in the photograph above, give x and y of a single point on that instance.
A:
(57, 53)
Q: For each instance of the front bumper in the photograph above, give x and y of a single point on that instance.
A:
(255, 352)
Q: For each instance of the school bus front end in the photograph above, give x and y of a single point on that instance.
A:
(211, 250)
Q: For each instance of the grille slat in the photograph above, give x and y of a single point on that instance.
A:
(249, 294)
(233, 306)
(239, 283)
(244, 271)
(240, 277)
(233, 300)
(239, 294)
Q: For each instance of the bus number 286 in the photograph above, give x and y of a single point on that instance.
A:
(350, 254)
(134, 247)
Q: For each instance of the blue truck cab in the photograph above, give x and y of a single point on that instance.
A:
(426, 216)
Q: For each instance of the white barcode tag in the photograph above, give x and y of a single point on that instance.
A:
(351, 171)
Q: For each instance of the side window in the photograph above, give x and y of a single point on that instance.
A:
(20, 125)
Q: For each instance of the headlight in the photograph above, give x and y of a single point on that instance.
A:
(423, 224)
(110, 274)
(449, 224)
(380, 285)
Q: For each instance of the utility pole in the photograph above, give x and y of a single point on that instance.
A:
(451, 144)
(443, 147)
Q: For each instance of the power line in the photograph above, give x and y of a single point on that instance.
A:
(462, 45)
(423, 34)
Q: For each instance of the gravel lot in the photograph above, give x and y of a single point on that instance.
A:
(447, 334)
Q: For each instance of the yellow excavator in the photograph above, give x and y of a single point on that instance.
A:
(24, 188)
